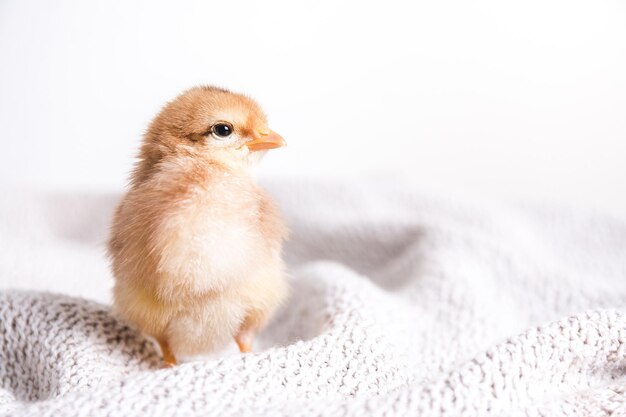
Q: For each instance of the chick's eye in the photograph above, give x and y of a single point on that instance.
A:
(222, 130)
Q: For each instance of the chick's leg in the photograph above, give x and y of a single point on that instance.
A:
(168, 356)
(248, 330)
(244, 341)
(245, 337)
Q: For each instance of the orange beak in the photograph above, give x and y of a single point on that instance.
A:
(265, 139)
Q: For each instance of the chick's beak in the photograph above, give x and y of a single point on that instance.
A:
(265, 139)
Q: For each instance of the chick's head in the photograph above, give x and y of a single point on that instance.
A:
(209, 122)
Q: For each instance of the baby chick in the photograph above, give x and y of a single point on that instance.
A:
(195, 244)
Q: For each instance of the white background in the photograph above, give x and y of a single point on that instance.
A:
(523, 100)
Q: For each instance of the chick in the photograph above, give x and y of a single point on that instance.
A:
(195, 244)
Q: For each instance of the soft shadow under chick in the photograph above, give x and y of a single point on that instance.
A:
(195, 244)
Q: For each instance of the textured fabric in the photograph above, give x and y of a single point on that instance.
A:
(402, 304)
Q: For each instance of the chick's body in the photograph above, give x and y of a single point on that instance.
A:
(195, 243)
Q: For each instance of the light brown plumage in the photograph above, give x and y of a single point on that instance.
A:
(195, 245)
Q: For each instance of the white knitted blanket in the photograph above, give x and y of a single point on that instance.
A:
(402, 304)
